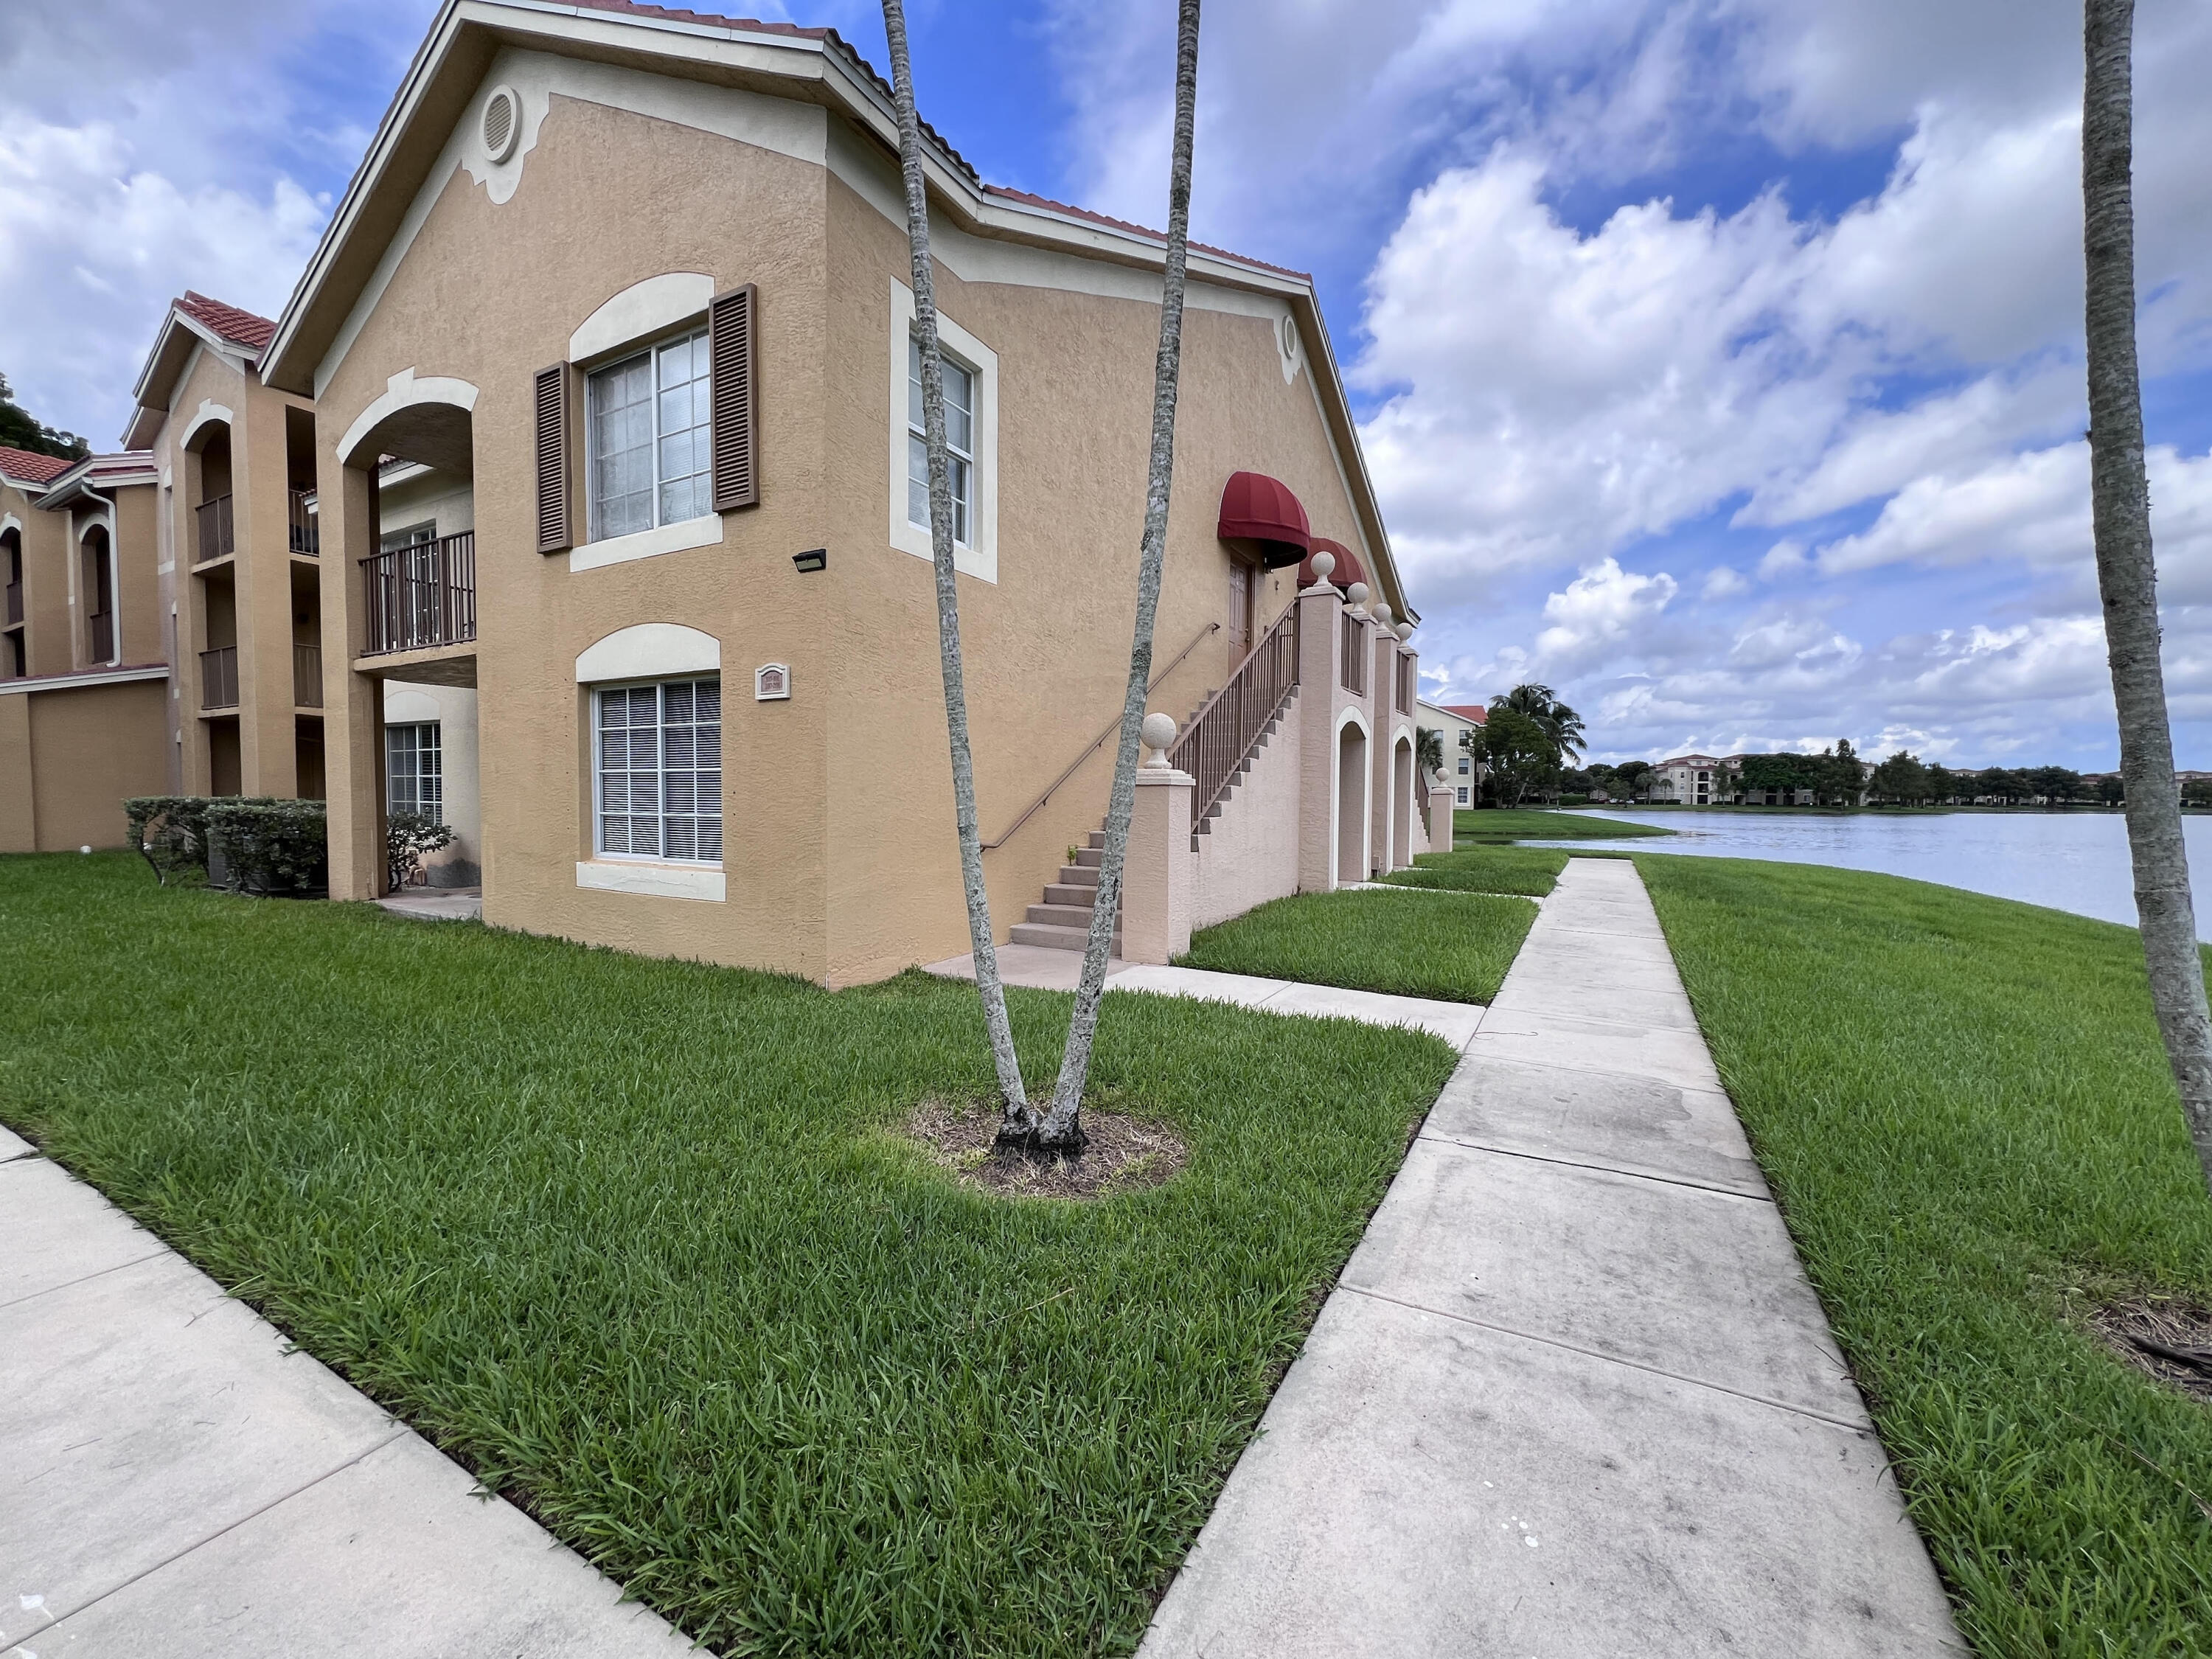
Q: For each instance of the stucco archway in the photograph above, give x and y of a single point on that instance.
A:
(1350, 801)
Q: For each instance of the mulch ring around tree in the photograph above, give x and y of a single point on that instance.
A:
(1124, 1154)
(2164, 1336)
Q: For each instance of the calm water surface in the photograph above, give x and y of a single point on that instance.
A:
(2069, 861)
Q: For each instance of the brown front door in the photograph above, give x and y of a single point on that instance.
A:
(1240, 610)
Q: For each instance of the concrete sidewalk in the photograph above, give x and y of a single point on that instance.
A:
(176, 1483)
(1040, 967)
(1572, 1396)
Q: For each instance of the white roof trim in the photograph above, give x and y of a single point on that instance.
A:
(71, 682)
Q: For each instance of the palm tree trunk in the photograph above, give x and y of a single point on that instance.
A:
(1063, 1128)
(2127, 577)
(1019, 1116)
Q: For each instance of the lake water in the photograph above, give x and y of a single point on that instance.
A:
(2069, 861)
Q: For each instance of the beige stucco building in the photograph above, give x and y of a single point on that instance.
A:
(84, 674)
(586, 444)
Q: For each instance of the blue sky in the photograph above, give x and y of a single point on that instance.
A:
(1719, 360)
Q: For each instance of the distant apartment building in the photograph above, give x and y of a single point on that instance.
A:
(612, 550)
(83, 649)
(1457, 722)
(1687, 781)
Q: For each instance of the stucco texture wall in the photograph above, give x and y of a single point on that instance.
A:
(1251, 855)
(70, 757)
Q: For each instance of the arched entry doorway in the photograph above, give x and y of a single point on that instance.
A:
(1401, 803)
(1351, 802)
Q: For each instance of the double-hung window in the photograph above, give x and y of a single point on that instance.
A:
(959, 443)
(649, 431)
(657, 771)
(415, 770)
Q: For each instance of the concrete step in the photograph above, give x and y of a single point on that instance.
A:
(1081, 895)
(1059, 939)
(1079, 875)
(1098, 841)
(1091, 858)
(1062, 915)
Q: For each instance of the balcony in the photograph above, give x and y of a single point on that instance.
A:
(306, 530)
(219, 679)
(102, 627)
(218, 540)
(423, 595)
(1405, 677)
(307, 677)
(1354, 675)
(15, 604)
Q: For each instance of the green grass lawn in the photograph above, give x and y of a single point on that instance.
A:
(1963, 1107)
(1508, 824)
(1480, 868)
(639, 1241)
(1452, 946)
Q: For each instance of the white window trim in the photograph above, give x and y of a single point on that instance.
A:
(679, 538)
(679, 881)
(649, 349)
(643, 311)
(980, 558)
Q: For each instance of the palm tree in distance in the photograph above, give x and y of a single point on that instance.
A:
(1560, 723)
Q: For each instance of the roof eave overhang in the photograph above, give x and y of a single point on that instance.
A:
(179, 337)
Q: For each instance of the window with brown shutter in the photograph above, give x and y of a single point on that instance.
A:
(732, 337)
(555, 489)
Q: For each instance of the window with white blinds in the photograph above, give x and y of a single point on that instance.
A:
(649, 423)
(415, 772)
(657, 770)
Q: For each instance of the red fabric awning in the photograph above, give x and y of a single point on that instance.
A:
(1347, 570)
(1256, 508)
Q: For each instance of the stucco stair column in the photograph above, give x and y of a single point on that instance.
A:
(1321, 699)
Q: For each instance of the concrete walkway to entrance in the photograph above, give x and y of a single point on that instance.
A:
(1572, 1396)
(177, 1483)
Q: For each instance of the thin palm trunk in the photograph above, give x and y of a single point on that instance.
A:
(2127, 577)
(1019, 1116)
(1063, 1128)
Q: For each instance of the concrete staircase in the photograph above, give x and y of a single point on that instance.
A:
(1205, 824)
(1063, 921)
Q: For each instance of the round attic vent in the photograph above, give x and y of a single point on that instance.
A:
(503, 123)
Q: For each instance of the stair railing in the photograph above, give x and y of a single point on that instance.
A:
(1222, 735)
(1091, 748)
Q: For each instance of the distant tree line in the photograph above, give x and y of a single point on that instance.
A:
(20, 430)
(1904, 780)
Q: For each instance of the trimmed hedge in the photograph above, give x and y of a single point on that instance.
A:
(269, 846)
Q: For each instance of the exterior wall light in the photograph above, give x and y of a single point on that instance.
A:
(815, 558)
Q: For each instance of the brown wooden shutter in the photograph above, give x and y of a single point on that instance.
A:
(732, 339)
(556, 534)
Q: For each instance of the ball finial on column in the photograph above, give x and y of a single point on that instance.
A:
(1357, 593)
(1405, 630)
(1324, 564)
(1381, 611)
(1158, 731)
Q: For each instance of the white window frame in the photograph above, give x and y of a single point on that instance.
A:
(651, 351)
(438, 814)
(979, 557)
(599, 849)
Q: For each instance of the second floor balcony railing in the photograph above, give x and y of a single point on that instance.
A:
(14, 603)
(307, 676)
(421, 595)
(307, 531)
(217, 537)
(102, 623)
(219, 679)
(1354, 671)
(1405, 677)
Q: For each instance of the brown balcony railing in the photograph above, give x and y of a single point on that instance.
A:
(1222, 735)
(1404, 683)
(1354, 674)
(307, 676)
(307, 531)
(218, 540)
(422, 595)
(219, 679)
(102, 627)
(14, 603)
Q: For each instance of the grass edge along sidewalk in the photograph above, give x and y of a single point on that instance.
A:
(640, 1243)
(1453, 948)
(1962, 1106)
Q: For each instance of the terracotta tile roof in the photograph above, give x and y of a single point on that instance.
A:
(38, 468)
(1467, 711)
(1046, 202)
(239, 327)
(633, 8)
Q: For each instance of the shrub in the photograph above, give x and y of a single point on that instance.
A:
(270, 846)
(170, 832)
(407, 837)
